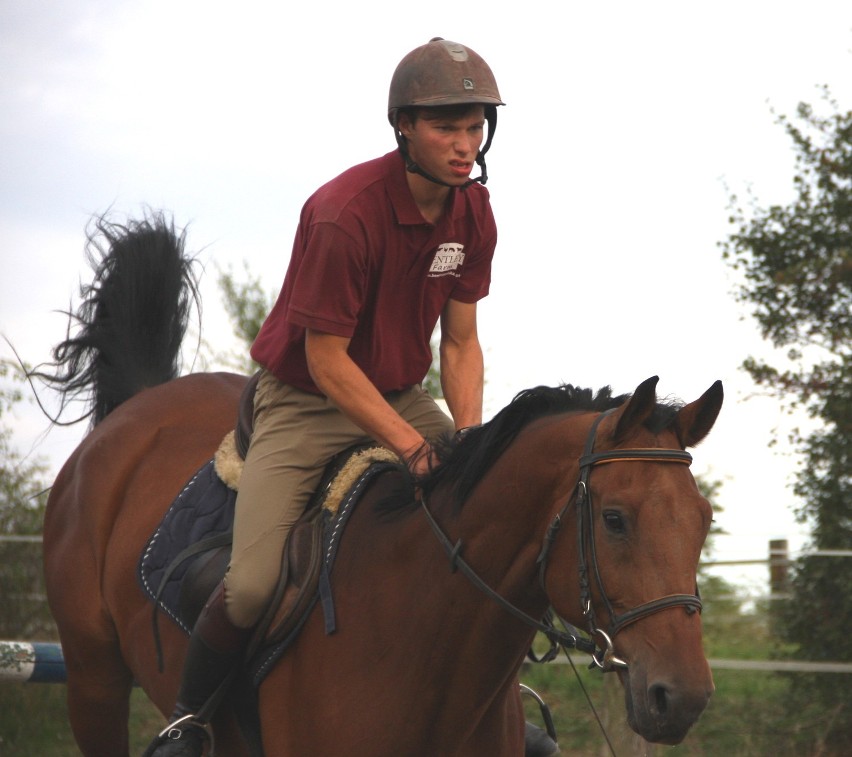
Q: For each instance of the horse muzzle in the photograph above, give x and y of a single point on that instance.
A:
(662, 709)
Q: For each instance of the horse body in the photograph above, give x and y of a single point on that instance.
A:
(345, 688)
(422, 660)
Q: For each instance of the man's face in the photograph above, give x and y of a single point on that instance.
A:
(445, 145)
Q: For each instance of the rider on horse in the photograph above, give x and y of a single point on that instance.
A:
(381, 253)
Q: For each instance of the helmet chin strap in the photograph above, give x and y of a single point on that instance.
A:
(412, 167)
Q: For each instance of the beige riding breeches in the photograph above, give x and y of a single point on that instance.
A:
(295, 435)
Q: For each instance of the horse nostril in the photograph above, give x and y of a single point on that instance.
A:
(658, 696)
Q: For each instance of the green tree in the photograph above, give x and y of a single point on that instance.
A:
(796, 263)
(247, 304)
(22, 501)
(722, 607)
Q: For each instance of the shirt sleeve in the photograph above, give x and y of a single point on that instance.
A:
(475, 281)
(329, 290)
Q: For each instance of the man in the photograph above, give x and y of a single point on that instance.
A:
(381, 253)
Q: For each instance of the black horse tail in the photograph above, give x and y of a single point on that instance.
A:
(127, 332)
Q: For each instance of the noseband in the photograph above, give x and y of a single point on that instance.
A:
(604, 656)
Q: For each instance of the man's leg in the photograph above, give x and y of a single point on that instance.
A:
(283, 466)
(215, 648)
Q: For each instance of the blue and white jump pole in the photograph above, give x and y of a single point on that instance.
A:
(31, 662)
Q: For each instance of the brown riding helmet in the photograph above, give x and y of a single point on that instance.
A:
(443, 73)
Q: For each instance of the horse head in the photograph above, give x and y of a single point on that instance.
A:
(641, 523)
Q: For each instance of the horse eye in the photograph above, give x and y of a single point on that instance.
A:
(614, 522)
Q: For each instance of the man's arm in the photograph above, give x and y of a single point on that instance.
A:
(347, 386)
(462, 371)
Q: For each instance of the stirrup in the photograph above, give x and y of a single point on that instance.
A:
(177, 729)
(174, 731)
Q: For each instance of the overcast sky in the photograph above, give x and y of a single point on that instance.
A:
(627, 126)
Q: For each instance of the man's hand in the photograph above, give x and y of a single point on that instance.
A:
(420, 459)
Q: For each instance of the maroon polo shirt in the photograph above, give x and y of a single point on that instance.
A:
(367, 266)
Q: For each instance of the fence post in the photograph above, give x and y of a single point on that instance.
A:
(779, 568)
(779, 580)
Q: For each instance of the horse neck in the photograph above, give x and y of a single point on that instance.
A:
(503, 524)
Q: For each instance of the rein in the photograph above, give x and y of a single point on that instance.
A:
(554, 636)
(604, 656)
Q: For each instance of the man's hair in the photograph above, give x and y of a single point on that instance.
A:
(439, 111)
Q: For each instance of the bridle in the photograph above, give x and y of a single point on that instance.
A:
(587, 553)
(604, 655)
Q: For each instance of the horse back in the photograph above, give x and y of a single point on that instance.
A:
(166, 431)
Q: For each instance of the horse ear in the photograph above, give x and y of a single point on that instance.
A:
(694, 421)
(638, 408)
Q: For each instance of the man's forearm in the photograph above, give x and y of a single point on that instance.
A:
(462, 381)
(346, 385)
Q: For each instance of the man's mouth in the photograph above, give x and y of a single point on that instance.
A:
(460, 167)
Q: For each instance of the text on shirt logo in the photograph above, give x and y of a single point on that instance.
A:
(448, 259)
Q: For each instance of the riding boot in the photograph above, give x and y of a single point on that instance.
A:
(537, 742)
(215, 647)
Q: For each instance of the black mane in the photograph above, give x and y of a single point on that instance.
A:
(464, 459)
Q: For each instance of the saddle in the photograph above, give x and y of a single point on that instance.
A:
(188, 553)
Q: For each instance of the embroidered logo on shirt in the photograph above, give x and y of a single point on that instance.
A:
(448, 259)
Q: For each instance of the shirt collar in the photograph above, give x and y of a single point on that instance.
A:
(405, 209)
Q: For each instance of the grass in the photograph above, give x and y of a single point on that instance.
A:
(746, 716)
(34, 721)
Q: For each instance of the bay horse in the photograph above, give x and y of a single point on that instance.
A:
(568, 499)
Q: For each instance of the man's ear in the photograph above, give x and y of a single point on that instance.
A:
(404, 125)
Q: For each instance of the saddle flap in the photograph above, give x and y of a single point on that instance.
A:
(300, 572)
(201, 578)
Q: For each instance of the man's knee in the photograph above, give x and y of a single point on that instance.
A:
(246, 601)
